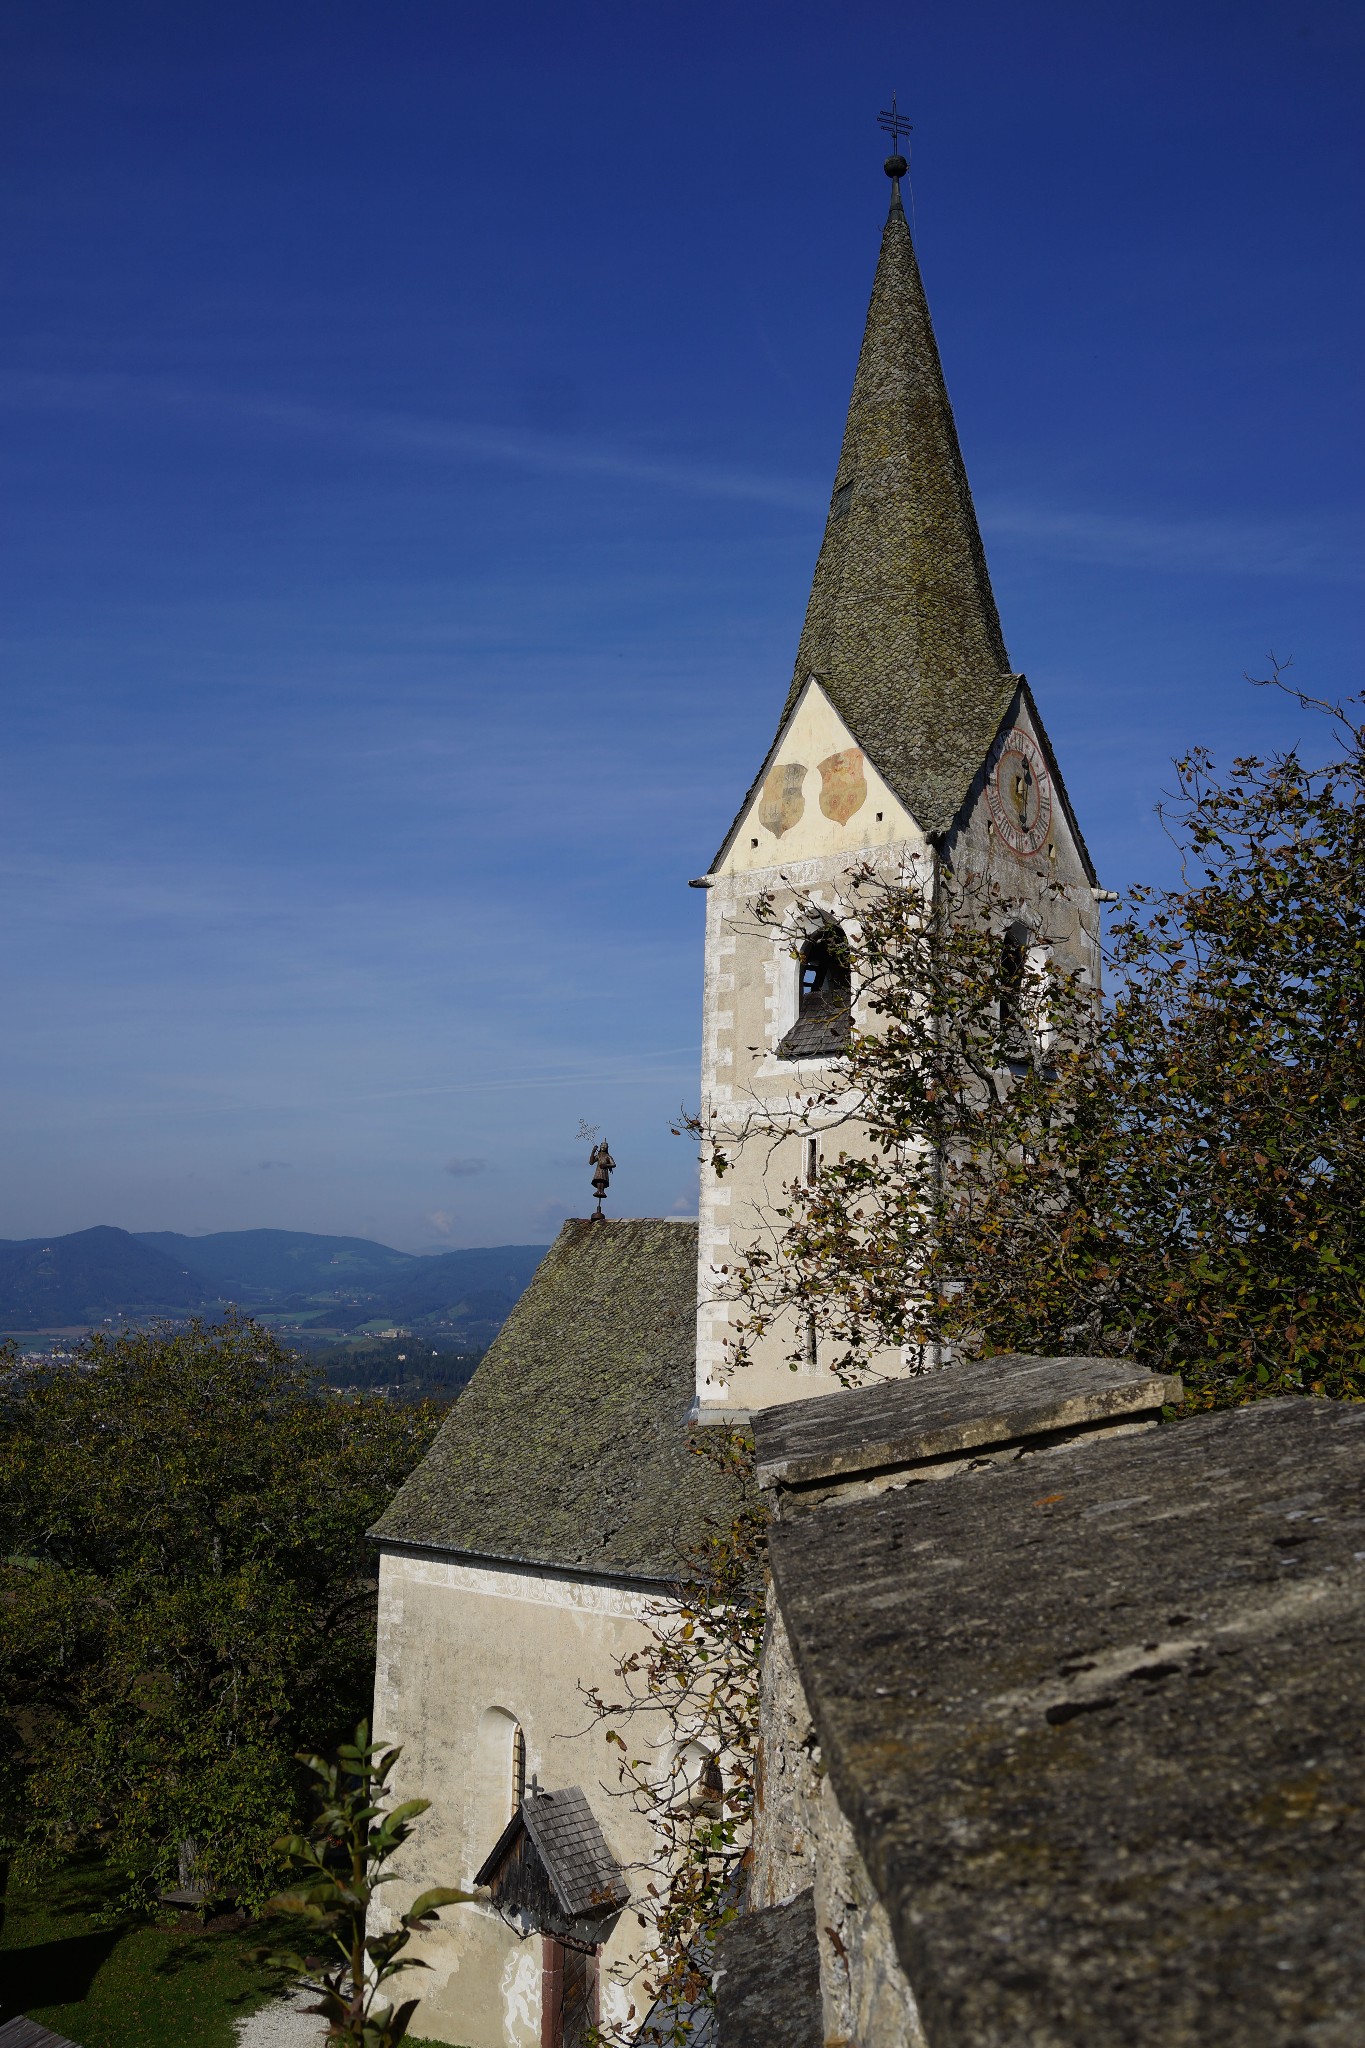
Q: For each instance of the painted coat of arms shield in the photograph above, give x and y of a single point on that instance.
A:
(782, 803)
(843, 785)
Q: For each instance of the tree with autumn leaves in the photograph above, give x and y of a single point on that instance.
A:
(684, 1730)
(1172, 1170)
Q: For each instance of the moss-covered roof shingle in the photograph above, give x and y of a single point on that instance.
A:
(570, 1446)
(902, 630)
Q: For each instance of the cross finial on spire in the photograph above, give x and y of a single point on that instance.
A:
(895, 124)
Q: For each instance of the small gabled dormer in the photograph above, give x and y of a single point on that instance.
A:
(551, 1873)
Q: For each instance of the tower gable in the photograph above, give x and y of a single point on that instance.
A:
(1017, 818)
(817, 793)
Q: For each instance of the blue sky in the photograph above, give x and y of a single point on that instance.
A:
(417, 422)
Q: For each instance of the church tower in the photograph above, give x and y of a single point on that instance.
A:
(905, 739)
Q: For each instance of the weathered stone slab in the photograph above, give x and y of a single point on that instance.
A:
(25, 2033)
(939, 1417)
(1098, 1726)
(768, 1979)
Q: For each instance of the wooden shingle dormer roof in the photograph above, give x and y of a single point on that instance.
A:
(569, 1447)
(551, 1863)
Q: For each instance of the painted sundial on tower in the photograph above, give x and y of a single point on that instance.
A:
(1019, 794)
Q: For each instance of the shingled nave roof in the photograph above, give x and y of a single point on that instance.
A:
(901, 629)
(568, 1447)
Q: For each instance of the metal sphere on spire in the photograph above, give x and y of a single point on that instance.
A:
(895, 124)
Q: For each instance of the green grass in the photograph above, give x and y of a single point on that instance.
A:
(73, 1959)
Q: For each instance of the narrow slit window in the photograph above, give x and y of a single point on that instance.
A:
(811, 1162)
(518, 1768)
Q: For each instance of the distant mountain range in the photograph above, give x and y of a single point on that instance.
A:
(294, 1279)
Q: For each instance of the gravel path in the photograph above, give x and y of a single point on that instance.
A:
(282, 2024)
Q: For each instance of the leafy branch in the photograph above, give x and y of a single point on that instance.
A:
(340, 1864)
(1175, 1170)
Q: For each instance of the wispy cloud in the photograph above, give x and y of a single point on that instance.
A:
(465, 1169)
(406, 434)
(1204, 546)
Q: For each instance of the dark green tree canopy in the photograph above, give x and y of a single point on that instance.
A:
(188, 1593)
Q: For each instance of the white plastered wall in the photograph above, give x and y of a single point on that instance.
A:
(788, 841)
(465, 1652)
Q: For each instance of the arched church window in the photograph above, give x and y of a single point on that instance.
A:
(697, 1781)
(709, 1797)
(824, 1000)
(499, 1774)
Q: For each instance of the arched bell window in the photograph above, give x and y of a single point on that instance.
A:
(824, 1000)
(1025, 1030)
(1016, 1040)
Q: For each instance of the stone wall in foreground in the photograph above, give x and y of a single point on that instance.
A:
(802, 1840)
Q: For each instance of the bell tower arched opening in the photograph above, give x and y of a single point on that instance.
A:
(824, 997)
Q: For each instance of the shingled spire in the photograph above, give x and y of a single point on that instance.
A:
(901, 629)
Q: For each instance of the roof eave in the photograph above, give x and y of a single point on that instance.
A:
(427, 1546)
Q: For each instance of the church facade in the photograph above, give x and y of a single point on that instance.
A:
(520, 1560)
